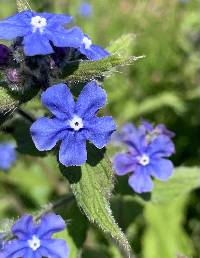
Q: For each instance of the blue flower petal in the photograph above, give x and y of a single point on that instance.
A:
(37, 44)
(23, 227)
(162, 146)
(91, 99)
(99, 130)
(94, 52)
(16, 26)
(161, 128)
(30, 253)
(161, 168)
(124, 164)
(59, 100)
(141, 181)
(8, 32)
(15, 249)
(37, 254)
(65, 38)
(136, 141)
(8, 156)
(124, 134)
(50, 224)
(73, 150)
(47, 132)
(56, 19)
(54, 248)
(146, 127)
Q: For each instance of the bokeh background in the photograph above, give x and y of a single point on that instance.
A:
(163, 88)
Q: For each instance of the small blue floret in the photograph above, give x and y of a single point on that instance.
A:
(146, 157)
(7, 156)
(35, 240)
(39, 31)
(85, 9)
(73, 123)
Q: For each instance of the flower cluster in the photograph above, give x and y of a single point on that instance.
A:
(73, 123)
(148, 150)
(7, 156)
(41, 32)
(35, 240)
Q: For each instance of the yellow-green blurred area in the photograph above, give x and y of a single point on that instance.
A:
(163, 87)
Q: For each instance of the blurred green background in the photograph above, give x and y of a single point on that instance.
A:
(163, 88)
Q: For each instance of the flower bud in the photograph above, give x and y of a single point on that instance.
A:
(13, 75)
(4, 55)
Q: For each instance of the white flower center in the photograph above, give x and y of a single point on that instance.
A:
(76, 123)
(38, 22)
(34, 243)
(144, 160)
(87, 42)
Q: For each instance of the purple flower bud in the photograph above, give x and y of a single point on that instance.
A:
(4, 54)
(13, 75)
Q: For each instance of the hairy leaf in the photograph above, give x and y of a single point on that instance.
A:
(122, 46)
(184, 180)
(22, 5)
(7, 103)
(92, 185)
(84, 71)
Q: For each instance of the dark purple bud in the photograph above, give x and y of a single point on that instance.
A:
(13, 75)
(52, 64)
(4, 54)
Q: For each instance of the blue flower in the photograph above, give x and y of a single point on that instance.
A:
(7, 156)
(145, 159)
(92, 52)
(73, 123)
(85, 9)
(38, 30)
(35, 240)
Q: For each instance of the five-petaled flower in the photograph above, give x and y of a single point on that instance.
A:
(145, 159)
(7, 156)
(73, 123)
(92, 52)
(35, 240)
(39, 31)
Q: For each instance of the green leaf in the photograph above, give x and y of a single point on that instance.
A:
(83, 71)
(122, 46)
(92, 185)
(133, 109)
(7, 101)
(165, 235)
(184, 180)
(22, 5)
(31, 180)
